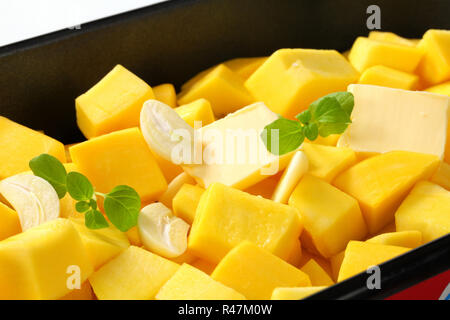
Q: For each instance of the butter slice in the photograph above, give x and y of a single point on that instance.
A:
(252, 162)
(386, 119)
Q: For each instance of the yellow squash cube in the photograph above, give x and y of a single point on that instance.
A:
(19, 144)
(392, 38)
(189, 283)
(255, 272)
(266, 187)
(114, 103)
(169, 169)
(166, 93)
(222, 88)
(198, 110)
(381, 182)
(293, 78)
(101, 244)
(134, 237)
(135, 274)
(435, 65)
(317, 275)
(406, 239)
(9, 222)
(296, 293)
(120, 158)
(245, 67)
(326, 212)
(359, 256)
(39, 263)
(426, 209)
(367, 53)
(185, 202)
(326, 162)
(442, 175)
(226, 216)
(389, 77)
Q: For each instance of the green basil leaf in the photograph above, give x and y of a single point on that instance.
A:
(122, 206)
(51, 169)
(328, 110)
(345, 99)
(311, 131)
(94, 219)
(304, 117)
(82, 206)
(79, 187)
(332, 128)
(282, 136)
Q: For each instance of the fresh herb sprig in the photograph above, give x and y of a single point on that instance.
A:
(325, 116)
(122, 204)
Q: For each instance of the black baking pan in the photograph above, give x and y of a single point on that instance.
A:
(171, 41)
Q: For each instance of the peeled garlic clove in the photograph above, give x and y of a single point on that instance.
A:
(291, 176)
(161, 232)
(166, 132)
(33, 198)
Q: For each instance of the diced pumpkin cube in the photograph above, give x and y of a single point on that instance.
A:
(255, 272)
(367, 52)
(222, 88)
(186, 257)
(323, 263)
(245, 67)
(134, 237)
(435, 65)
(336, 262)
(326, 212)
(169, 169)
(295, 256)
(135, 274)
(293, 78)
(442, 175)
(392, 38)
(359, 256)
(331, 140)
(389, 77)
(443, 88)
(203, 265)
(185, 202)
(381, 182)
(101, 244)
(9, 222)
(226, 216)
(84, 293)
(198, 110)
(406, 239)
(426, 209)
(114, 103)
(120, 158)
(189, 283)
(35, 264)
(174, 186)
(166, 93)
(296, 293)
(326, 162)
(266, 187)
(317, 275)
(19, 144)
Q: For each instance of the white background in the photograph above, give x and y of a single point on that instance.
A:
(24, 19)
